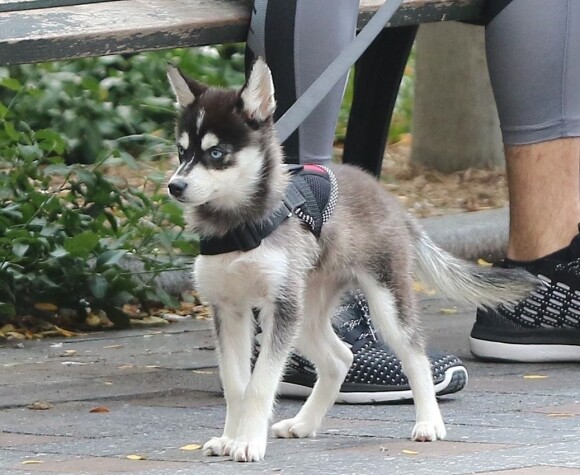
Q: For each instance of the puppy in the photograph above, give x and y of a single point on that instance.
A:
(289, 242)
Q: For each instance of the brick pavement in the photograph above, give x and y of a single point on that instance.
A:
(161, 390)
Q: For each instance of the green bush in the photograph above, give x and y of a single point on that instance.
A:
(64, 229)
(92, 102)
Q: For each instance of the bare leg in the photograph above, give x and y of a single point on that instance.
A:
(535, 83)
(544, 189)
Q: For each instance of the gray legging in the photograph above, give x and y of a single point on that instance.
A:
(533, 54)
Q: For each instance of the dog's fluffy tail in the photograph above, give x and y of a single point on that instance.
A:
(466, 282)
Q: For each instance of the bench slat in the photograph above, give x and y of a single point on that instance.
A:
(123, 26)
(17, 5)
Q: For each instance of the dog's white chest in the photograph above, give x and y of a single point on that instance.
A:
(241, 277)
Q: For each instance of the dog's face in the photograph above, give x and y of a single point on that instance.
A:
(220, 158)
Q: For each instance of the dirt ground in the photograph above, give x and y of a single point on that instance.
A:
(429, 193)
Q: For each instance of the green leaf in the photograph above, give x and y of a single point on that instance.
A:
(7, 309)
(86, 176)
(121, 298)
(98, 286)
(59, 252)
(109, 258)
(20, 249)
(11, 131)
(11, 83)
(57, 169)
(82, 244)
(174, 213)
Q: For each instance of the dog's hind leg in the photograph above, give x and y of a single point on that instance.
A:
(234, 331)
(278, 337)
(394, 317)
(320, 344)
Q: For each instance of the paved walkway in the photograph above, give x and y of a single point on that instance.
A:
(156, 391)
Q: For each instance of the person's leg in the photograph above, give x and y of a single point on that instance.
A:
(535, 74)
(298, 39)
(532, 55)
(544, 196)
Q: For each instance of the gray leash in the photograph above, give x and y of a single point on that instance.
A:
(318, 90)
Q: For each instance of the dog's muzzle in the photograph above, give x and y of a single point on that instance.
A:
(177, 187)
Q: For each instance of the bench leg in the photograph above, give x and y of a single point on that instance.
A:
(377, 77)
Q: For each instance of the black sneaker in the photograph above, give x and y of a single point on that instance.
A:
(376, 374)
(543, 327)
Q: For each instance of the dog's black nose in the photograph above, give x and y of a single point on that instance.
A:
(177, 187)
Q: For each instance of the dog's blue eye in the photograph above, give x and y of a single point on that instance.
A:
(180, 150)
(216, 154)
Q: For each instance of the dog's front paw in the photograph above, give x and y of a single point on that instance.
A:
(247, 451)
(289, 428)
(428, 431)
(217, 446)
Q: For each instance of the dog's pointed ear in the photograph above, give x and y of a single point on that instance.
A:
(184, 88)
(257, 95)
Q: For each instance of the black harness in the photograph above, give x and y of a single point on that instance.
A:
(311, 195)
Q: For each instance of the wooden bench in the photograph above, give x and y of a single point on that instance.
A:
(48, 30)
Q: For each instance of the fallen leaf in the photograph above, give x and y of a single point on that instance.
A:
(109, 347)
(16, 336)
(448, 311)
(420, 287)
(40, 406)
(483, 263)
(203, 316)
(125, 366)
(99, 409)
(561, 414)
(190, 447)
(409, 452)
(7, 328)
(93, 320)
(31, 462)
(173, 317)
(148, 322)
(64, 332)
(107, 383)
(136, 457)
(45, 307)
(69, 353)
(535, 376)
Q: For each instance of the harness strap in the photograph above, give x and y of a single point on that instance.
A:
(299, 199)
(249, 235)
(314, 215)
(245, 237)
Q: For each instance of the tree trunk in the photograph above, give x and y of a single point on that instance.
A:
(455, 121)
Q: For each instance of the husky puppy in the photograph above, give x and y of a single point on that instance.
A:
(232, 175)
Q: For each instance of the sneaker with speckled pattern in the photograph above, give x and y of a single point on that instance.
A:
(376, 375)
